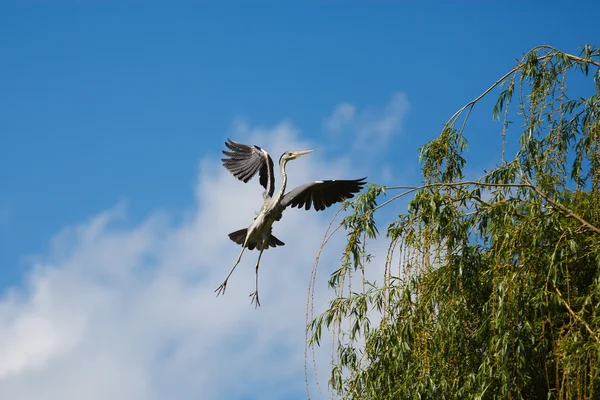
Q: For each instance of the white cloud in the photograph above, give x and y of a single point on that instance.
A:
(370, 128)
(130, 312)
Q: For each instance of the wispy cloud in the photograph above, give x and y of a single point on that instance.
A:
(341, 116)
(371, 127)
(130, 313)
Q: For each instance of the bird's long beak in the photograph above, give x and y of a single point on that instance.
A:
(301, 153)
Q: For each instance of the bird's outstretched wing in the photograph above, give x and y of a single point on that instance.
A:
(244, 161)
(322, 194)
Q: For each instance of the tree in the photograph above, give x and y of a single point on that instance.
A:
(491, 286)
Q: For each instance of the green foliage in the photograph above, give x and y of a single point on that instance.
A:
(491, 287)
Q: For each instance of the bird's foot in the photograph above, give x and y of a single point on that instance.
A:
(254, 298)
(221, 289)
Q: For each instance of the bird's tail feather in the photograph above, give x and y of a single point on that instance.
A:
(239, 237)
(274, 242)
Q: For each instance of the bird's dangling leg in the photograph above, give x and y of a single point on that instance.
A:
(221, 289)
(254, 295)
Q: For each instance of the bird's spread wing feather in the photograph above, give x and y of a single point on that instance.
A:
(245, 161)
(322, 194)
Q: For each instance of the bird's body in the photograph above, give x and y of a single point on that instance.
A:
(257, 235)
(244, 162)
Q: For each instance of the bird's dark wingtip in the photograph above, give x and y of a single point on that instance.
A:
(231, 144)
(361, 182)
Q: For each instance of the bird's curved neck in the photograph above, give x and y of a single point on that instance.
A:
(283, 181)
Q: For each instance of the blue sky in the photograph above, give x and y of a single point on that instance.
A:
(112, 119)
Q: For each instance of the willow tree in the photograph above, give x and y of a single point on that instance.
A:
(491, 286)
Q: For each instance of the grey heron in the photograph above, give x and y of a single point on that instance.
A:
(244, 161)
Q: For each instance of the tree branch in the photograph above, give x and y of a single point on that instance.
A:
(411, 189)
(562, 208)
(516, 69)
(576, 316)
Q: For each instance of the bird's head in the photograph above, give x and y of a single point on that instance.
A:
(292, 155)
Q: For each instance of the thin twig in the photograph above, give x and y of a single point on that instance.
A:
(310, 304)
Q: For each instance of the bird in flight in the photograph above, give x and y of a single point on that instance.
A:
(244, 161)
